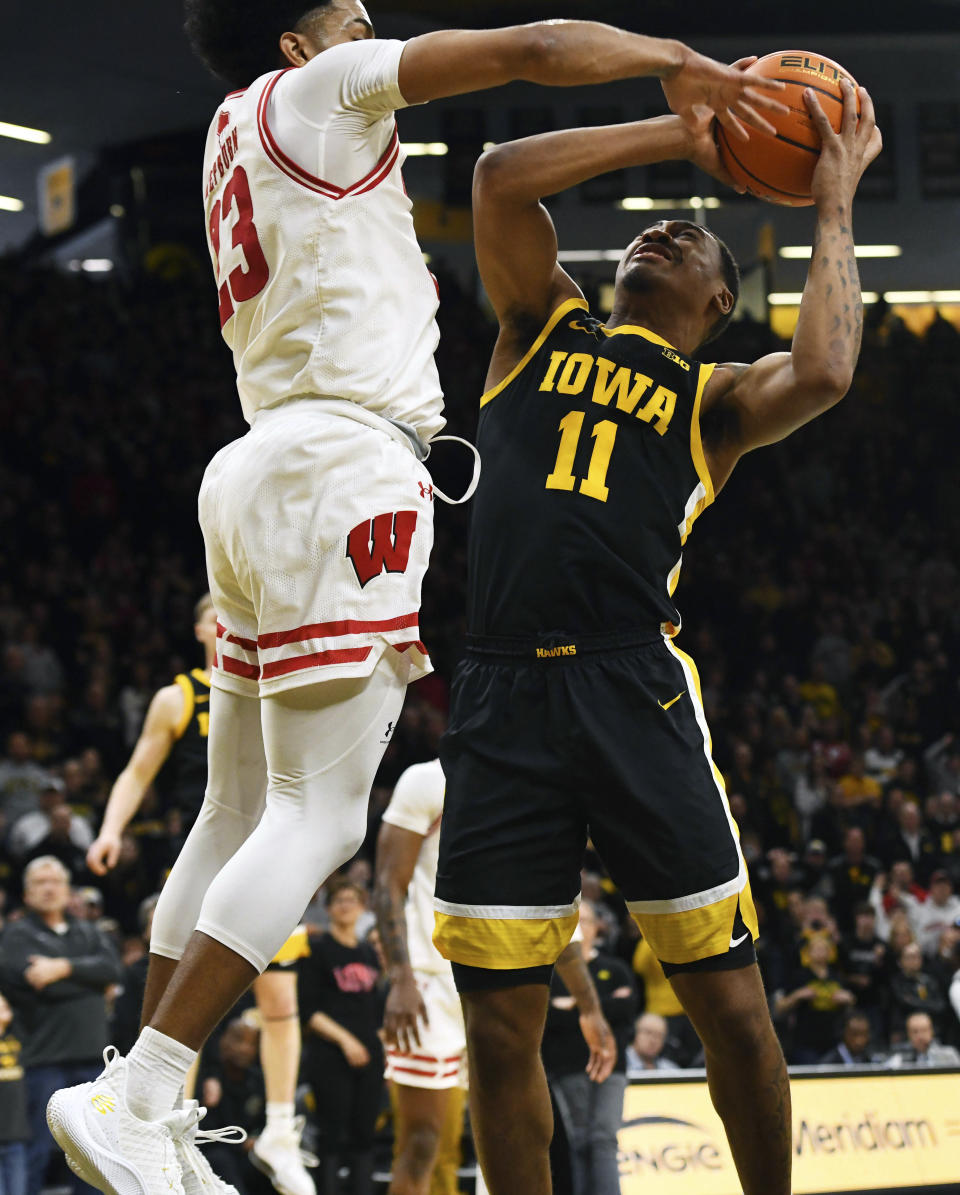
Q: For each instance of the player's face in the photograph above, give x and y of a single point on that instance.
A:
(343, 21)
(673, 256)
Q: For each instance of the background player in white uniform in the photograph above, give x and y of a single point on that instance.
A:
(317, 523)
(423, 1025)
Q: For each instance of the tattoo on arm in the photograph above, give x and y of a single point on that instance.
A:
(389, 908)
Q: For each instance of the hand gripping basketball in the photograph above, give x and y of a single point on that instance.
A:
(737, 99)
(844, 155)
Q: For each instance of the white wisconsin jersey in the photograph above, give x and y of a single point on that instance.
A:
(322, 284)
(417, 805)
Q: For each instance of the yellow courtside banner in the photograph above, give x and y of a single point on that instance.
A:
(851, 1132)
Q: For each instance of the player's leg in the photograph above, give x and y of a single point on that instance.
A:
(420, 1114)
(671, 846)
(746, 1072)
(232, 807)
(277, 1150)
(509, 1100)
(444, 1180)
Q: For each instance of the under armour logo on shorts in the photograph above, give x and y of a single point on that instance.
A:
(426, 491)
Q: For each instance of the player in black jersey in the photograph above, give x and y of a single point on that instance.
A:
(573, 710)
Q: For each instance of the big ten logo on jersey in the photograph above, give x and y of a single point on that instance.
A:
(381, 545)
(632, 393)
(242, 270)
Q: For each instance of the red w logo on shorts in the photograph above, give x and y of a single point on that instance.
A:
(381, 544)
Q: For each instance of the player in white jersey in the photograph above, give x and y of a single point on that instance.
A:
(318, 522)
(423, 1025)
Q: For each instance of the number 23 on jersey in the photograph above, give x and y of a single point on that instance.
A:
(250, 276)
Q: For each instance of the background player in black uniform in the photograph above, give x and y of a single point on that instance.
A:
(172, 748)
(601, 445)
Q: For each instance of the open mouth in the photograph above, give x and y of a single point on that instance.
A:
(652, 249)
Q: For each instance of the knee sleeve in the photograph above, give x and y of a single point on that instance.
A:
(232, 806)
(323, 746)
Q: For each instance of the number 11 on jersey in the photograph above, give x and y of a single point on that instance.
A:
(594, 484)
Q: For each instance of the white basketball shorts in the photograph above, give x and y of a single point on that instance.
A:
(441, 1058)
(318, 526)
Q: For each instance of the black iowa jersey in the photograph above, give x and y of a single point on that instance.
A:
(593, 474)
(183, 778)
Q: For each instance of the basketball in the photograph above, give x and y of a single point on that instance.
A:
(780, 167)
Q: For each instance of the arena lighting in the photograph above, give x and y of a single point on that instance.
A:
(804, 251)
(20, 132)
(589, 255)
(9, 204)
(90, 265)
(922, 296)
(790, 298)
(643, 203)
(425, 149)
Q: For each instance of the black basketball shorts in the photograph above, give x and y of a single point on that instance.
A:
(554, 740)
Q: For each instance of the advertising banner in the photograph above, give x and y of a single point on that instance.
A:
(873, 1132)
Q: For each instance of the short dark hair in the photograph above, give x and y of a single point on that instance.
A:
(731, 278)
(239, 39)
(345, 886)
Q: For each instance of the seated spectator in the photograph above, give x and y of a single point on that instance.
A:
(856, 787)
(937, 913)
(882, 757)
(921, 1047)
(813, 867)
(851, 875)
(14, 1128)
(913, 990)
(22, 780)
(911, 841)
(29, 830)
(659, 997)
(60, 842)
(231, 1089)
(865, 963)
(813, 1002)
(645, 1052)
(853, 1049)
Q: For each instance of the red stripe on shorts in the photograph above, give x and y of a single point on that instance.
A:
(346, 655)
(246, 644)
(240, 668)
(333, 630)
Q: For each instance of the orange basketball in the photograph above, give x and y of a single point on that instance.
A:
(780, 168)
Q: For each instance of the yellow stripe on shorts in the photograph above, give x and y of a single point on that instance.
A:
(503, 943)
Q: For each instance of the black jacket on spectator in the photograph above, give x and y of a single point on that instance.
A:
(915, 993)
(564, 1050)
(66, 1021)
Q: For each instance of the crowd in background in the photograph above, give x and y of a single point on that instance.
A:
(820, 599)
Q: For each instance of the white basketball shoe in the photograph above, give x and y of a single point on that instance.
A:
(278, 1155)
(199, 1177)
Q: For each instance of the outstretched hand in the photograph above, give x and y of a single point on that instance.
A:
(701, 86)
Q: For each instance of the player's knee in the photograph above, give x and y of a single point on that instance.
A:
(420, 1148)
(737, 1030)
(500, 1042)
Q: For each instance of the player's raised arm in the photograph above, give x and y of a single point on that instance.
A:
(515, 241)
(568, 53)
(747, 406)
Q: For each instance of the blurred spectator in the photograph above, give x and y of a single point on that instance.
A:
(59, 841)
(913, 990)
(865, 965)
(853, 1049)
(342, 1053)
(129, 1002)
(29, 831)
(54, 970)
(14, 1128)
(883, 756)
(231, 1089)
(645, 1052)
(851, 876)
(813, 1001)
(22, 780)
(591, 1111)
(911, 842)
(657, 996)
(937, 913)
(921, 1047)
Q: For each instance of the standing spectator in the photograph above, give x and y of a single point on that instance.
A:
(342, 1054)
(922, 1047)
(813, 1001)
(851, 874)
(937, 913)
(853, 1049)
(913, 990)
(591, 1111)
(14, 1129)
(29, 830)
(883, 756)
(645, 1052)
(911, 842)
(55, 969)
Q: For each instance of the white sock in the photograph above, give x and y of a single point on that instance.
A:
(156, 1069)
(279, 1118)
